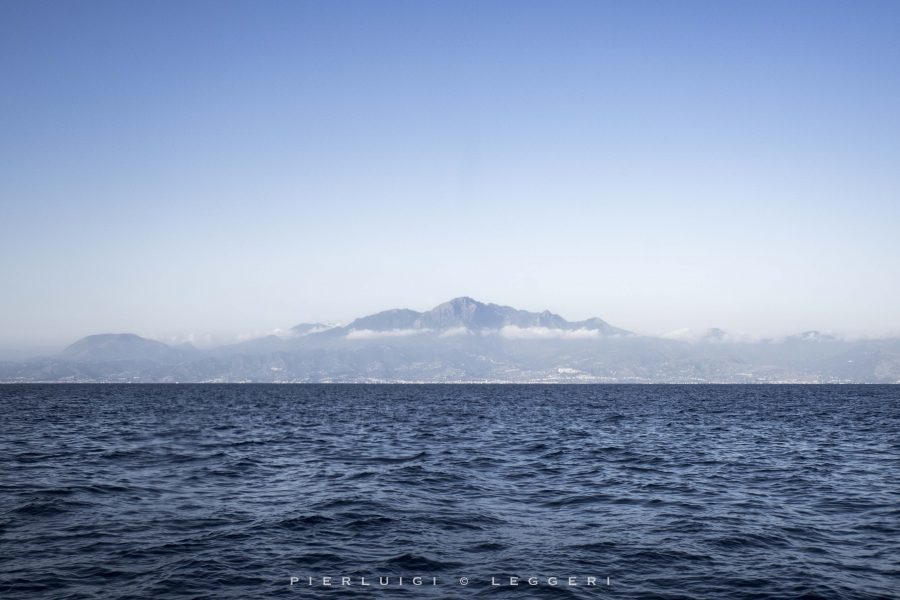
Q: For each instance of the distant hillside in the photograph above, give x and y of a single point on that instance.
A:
(120, 346)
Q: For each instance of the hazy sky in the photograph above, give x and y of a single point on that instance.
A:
(226, 168)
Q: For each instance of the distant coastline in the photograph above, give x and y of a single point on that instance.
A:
(464, 341)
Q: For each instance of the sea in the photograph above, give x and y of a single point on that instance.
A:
(463, 491)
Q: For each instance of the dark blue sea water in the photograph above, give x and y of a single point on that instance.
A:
(228, 491)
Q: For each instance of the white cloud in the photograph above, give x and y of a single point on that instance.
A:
(694, 336)
(371, 334)
(684, 334)
(455, 331)
(200, 340)
(545, 333)
(290, 333)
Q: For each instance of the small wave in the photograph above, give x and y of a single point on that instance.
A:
(46, 508)
(304, 522)
(372, 522)
(750, 540)
(581, 499)
(382, 460)
(486, 547)
(316, 559)
(415, 562)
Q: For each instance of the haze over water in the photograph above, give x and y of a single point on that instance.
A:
(195, 491)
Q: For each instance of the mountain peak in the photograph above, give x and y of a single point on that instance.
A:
(462, 312)
(463, 300)
(461, 305)
(309, 328)
(116, 346)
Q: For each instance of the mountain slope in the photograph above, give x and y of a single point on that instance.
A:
(465, 312)
(120, 346)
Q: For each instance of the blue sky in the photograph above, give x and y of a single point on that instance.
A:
(229, 168)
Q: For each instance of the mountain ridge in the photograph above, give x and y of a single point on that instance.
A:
(467, 312)
(464, 340)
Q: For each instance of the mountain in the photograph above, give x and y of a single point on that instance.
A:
(122, 347)
(467, 340)
(470, 314)
(398, 318)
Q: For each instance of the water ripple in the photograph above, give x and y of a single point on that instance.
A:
(215, 491)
